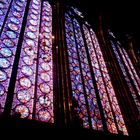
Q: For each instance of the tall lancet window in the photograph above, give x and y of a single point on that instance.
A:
(131, 77)
(33, 90)
(90, 80)
(8, 44)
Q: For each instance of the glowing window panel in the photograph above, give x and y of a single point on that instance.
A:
(120, 61)
(44, 97)
(129, 70)
(100, 84)
(134, 73)
(4, 6)
(108, 85)
(91, 97)
(75, 75)
(8, 44)
(25, 83)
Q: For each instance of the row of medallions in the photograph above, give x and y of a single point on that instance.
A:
(8, 45)
(26, 76)
(44, 104)
(34, 65)
(4, 4)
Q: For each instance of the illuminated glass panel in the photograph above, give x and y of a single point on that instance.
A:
(132, 71)
(76, 80)
(108, 85)
(100, 83)
(34, 86)
(8, 46)
(90, 92)
(4, 6)
(82, 52)
(44, 97)
(120, 61)
(24, 96)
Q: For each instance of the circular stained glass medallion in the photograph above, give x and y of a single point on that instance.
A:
(31, 35)
(26, 70)
(44, 88)
(14, 20)
(16, 14)
(34, 12)
(46, 35)
(25, 82)
(19, 9)
(44, 101)
(11, 34)
(28, 60)
(19, 3)
(47, 58)
(1, 12)
(8, 42)
(1, 5)
(46, 18)
(48, 13)
(48, 9)
(13, 26)
(30, 42)
(44, 115)
(47, 29)
(32, 28)
(48, 42)
(23, 110)
(5, 52)
(33, 16)
(45, 66)
(48, 24)
(45, 77)
(1, 90)
(35, 1)
(35, 7)
(4, 63)
(3, 76)
(29, 51)
(33, 22)
(23, 96)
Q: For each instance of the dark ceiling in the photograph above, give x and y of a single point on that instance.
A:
(122, 15)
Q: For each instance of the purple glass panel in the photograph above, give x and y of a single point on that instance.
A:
(8, 45)
(120, 61)
(75, 75)
(100, 83)
(44, 98)
(108, 85)
(132, 71)
(91, 97)
(25, 85)
(4, 6)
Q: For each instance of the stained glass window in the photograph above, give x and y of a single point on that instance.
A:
(88, 72)
(33, 93)
(131, 77)
(8, 45)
